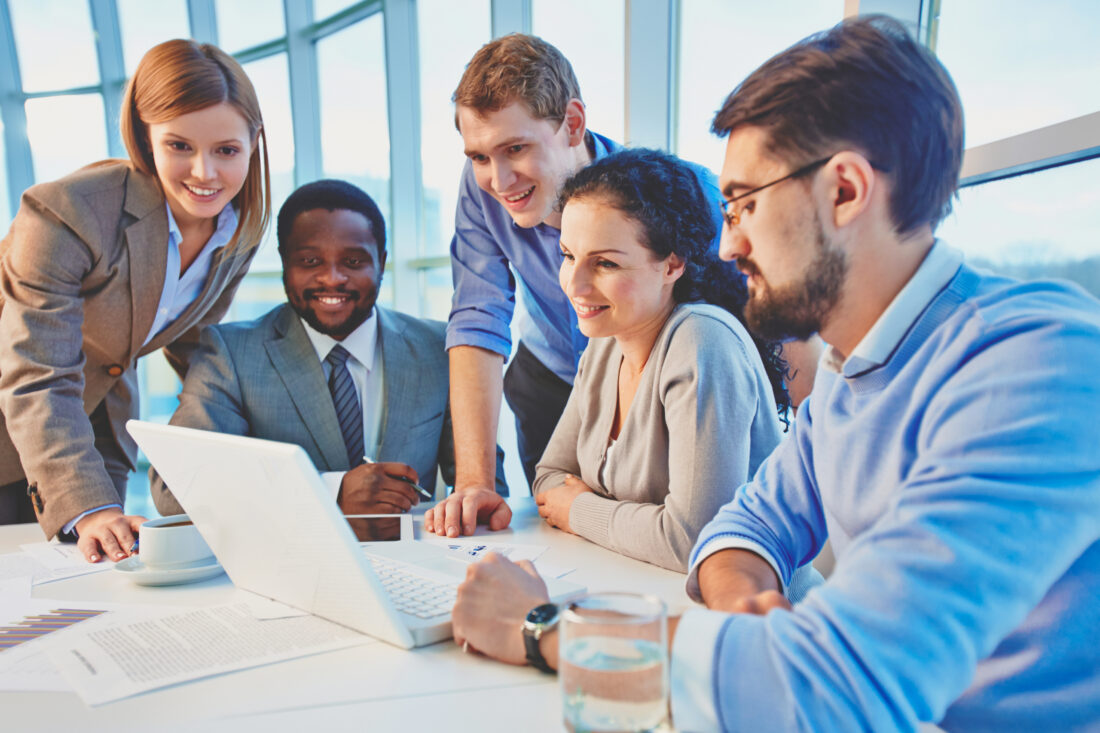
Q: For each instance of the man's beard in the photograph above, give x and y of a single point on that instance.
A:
(796, 311)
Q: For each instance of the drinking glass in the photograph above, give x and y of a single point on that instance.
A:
(613, 663)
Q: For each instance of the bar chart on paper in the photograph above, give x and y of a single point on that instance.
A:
(36, 625)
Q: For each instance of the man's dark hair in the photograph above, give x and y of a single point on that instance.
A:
(663, 195)
(330, 195)
(868, 86)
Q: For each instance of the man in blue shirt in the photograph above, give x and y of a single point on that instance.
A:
(518, 108)
(948, 450)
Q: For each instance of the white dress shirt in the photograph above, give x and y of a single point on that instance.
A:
(365, 366)
(181, 289)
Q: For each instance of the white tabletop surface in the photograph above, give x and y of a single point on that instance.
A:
(373, 687)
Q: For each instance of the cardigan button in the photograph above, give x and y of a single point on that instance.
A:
(115, 370)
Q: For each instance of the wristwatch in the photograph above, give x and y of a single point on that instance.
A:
(540, 620)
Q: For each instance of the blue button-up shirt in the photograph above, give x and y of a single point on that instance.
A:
(180, 290)
(492, 257)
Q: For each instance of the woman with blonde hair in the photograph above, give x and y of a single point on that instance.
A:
(112, 262)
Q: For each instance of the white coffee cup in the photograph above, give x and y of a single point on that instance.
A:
(172, 542)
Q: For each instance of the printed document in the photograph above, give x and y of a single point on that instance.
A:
(30, 565)
(147, 651)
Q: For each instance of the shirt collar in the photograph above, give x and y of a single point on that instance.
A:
(939, 266)
(360, 343)
(223, 231)
(600, 149)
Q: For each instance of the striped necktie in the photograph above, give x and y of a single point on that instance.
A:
(346, 402)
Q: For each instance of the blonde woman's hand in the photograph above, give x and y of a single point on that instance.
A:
(107, 533)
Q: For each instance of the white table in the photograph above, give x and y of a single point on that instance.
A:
(374, 687)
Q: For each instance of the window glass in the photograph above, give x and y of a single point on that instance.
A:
(143, 25)
(271, 79)
(259, 292)
(596, 48)
(44, 27)
(1015, 76)
(351, 70)
(720, 44)
(1042, 224)
(447, 37)
(65, 133)
(246, 23)
(436, 289)
(325, 8)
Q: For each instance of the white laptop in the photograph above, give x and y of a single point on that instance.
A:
(265, 512)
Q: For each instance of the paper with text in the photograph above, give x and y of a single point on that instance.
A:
(30, 564)
(146, 652)
(472, 551)
(28, 626)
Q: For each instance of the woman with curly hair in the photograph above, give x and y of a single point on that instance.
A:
(675, 403)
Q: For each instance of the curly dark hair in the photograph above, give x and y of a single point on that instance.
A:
(663, 195)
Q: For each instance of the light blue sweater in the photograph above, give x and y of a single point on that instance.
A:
(959, 483)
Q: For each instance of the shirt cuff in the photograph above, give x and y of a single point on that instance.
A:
(728, 542)
(332, 480)
(70, 526)
(472, 336)
(691, 670)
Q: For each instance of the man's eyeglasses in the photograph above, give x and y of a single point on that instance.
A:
(732, 213)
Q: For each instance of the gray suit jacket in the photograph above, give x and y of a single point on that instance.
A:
(262, 378)
(81, 275)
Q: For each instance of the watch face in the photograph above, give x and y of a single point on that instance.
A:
(543, 614)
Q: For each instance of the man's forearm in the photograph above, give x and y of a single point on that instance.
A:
(732, 575)
(476, 387)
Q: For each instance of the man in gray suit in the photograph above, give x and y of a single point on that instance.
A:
(276, 377)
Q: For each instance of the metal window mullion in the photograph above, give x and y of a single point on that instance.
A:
(403, 105)
(1062, 143)
(510, 16)
(112, 69)
(342, 19)
(650, 64)
(203, 20)
(305, 102)
(17, 147)
(906, 11)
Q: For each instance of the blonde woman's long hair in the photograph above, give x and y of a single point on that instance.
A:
(178, 77)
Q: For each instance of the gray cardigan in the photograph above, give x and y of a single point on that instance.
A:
(702, 420)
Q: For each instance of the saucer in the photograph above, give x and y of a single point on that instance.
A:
(135, 570)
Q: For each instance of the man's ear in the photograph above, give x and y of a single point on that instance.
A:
(574, 122)
(381, 263)
(851, 182)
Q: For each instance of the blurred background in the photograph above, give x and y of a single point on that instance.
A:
(361, 91)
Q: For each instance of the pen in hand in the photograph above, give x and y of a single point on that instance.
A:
(424, 493)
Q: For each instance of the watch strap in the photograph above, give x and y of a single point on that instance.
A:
(533, 629)
(534, 654)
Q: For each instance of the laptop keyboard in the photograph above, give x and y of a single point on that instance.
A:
(413, 592)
